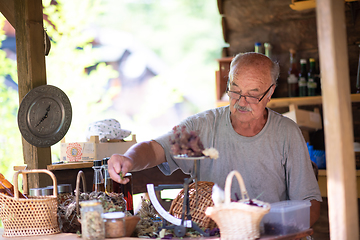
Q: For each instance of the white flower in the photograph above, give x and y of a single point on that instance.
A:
(211, 152)
(218, 195)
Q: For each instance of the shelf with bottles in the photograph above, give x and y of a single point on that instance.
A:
(299, 101)
(221, 82)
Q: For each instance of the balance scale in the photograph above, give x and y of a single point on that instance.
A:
(179, 225)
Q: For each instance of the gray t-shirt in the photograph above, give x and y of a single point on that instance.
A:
(274, 164)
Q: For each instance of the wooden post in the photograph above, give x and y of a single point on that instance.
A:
(31, 73)
(340, 161)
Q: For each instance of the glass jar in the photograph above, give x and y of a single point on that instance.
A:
(92, 225)
(98, 180)
(114, 224)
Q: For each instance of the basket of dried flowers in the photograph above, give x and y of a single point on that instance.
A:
(241, 219)
(199, 200)
(33, 216)
(69, 210)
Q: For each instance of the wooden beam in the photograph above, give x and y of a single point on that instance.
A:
(31, 73)
(340, 161)
(7, 9)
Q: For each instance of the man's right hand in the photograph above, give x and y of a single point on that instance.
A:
(119, 164)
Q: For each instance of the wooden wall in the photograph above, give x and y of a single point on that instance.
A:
(248, 21)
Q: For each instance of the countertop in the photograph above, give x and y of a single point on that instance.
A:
(71, 236)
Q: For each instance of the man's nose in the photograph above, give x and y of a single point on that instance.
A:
(242, 101)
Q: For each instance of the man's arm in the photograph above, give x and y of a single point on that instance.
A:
(314, 211)
(140, 156)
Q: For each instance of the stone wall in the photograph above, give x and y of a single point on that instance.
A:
(248, 21)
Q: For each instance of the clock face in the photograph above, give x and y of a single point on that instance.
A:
(44, 116)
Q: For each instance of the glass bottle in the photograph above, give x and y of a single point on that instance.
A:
(258, 47)
(293, 75)
(108, 183)
(311, 85)
(98, 180)
(127, 190)
(303, 79)
(267, 47)
(92, 224)
(7, 188)
(317, 79)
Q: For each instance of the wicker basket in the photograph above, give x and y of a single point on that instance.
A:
(238, 220)
(32, 216)
(198, 204)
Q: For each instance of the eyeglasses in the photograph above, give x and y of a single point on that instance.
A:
(249, 99)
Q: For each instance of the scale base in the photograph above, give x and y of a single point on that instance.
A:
(180, 230)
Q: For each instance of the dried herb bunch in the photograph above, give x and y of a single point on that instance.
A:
(68, 218)
(149, 223)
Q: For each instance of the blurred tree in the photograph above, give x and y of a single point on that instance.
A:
(70, 56)
(187, 36)
(10, 138)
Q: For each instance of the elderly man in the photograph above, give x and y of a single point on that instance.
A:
(267, 148)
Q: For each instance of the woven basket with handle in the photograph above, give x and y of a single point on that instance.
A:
(238, 220)
(198, 204)
(34, 216)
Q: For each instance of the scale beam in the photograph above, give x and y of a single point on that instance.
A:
(167, 216)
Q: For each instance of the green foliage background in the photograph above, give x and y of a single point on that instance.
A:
(185, 34)
(10, 139)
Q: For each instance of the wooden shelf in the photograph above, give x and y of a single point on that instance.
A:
(300, 101)
(73, 165)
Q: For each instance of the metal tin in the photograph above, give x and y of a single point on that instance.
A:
(35, 192)
(64, 188)
(47, 191)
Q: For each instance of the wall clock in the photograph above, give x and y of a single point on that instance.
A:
(44, 116)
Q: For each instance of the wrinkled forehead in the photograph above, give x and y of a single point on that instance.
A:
(255, 73)
(251, 63)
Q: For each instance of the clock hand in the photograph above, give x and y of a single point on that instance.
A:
(47, 111)
(41, 120)
(45, 116)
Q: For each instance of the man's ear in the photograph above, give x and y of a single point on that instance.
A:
(271, 92)
(228, 85)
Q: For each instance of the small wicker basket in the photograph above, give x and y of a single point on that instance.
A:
(198, 204)
(238, 220)
(32, 216)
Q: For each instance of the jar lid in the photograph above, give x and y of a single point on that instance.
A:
(113, 215)
(90, 203)
(105, 160)
(97, 163)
